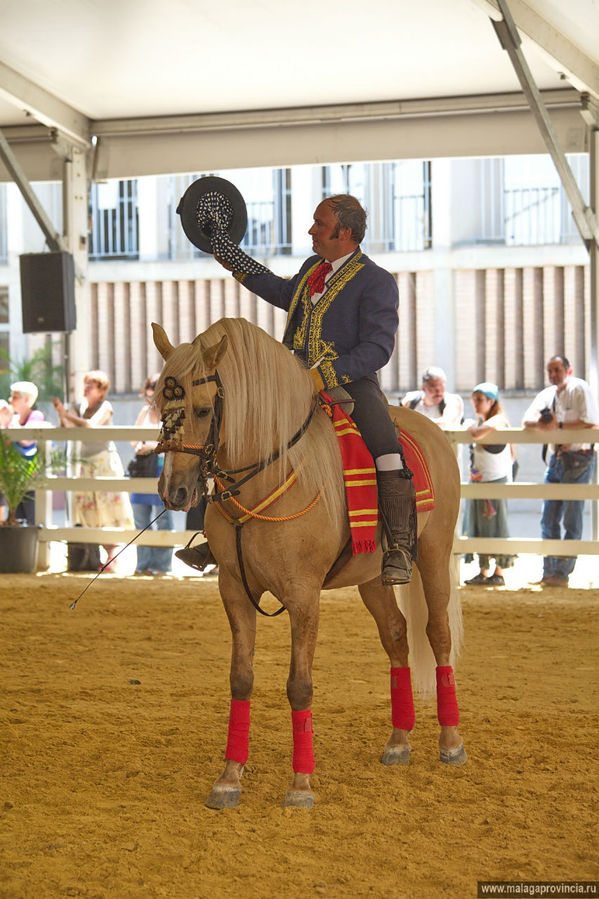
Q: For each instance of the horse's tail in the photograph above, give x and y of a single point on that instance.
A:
(413, 605)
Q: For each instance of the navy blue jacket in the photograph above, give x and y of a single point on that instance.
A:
(350, 331)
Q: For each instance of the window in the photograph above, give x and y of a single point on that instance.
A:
(114, 220)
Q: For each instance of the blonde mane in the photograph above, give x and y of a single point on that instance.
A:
(268, 395)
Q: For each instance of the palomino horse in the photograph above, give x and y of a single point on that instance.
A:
(236, 404)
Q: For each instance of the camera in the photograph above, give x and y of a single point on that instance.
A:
(546, 415)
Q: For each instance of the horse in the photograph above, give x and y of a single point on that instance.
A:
(238, 406)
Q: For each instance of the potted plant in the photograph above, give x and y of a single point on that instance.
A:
(18, 542)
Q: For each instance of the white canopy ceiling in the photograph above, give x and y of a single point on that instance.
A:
(192, 85)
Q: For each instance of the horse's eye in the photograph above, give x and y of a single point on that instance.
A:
(201, 413)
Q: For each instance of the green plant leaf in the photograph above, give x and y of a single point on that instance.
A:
(17, 476)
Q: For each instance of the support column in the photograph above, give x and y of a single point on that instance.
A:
(594, 289)
(75, 192)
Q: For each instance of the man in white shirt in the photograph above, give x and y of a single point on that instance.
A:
(566, 405)
(445, 409)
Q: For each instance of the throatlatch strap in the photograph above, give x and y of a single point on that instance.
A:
(403, 715)
(238, 739)
(447, 704)
(303, 750)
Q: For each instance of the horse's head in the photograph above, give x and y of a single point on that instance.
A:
(189, 397)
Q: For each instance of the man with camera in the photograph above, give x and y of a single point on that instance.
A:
(566, 405)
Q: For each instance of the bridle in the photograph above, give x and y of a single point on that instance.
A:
(171, 436)
(171, 441)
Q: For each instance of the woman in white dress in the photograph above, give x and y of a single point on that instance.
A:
(97, 459)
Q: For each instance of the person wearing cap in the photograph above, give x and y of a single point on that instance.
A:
(488, 463)
(342, 320)
(23, 397)
(433, 400)
(153, 560)
(567, 404)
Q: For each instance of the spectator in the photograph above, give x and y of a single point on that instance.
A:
(154, 560)
(445, 409)
(5, 414)
(98, 459)
(566, 405)
(23, 396)
(5, 419)
(488, 463)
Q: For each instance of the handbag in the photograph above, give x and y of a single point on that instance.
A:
(143, 466)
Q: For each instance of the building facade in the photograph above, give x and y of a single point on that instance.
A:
(492, 275)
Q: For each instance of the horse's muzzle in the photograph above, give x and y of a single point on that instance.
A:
(176, 496)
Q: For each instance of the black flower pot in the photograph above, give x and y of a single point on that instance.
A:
(18, 550)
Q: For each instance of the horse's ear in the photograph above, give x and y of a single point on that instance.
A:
(214, 354)
(161, 341)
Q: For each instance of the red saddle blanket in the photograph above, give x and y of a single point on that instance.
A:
(359, 475)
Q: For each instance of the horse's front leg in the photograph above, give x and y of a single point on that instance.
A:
(382, 605)
(242, 619)
(303, 616)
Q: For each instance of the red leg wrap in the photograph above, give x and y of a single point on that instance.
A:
(402, 701)
(238, 739)
(447, 703)
(303, 751)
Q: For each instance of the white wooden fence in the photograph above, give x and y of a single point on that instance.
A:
(512, 545)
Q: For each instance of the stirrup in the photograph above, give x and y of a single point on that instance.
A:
(197, 557)
(397, 567)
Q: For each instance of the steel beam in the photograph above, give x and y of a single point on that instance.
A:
(43, 106)
(509, 38)
(53, 238)
(562, 54)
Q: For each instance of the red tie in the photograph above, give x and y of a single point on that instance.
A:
(316, 279)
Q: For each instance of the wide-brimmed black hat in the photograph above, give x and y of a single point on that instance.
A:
(209, 203)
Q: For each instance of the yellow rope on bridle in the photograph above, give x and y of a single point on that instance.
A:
(266, 517)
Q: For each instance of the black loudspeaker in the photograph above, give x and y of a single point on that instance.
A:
(48, 292)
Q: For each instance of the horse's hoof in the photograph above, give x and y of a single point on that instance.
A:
(396, 755)
(455, 756)
(222, 796)
(298, 799)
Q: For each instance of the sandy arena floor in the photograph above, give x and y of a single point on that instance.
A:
(113, 728)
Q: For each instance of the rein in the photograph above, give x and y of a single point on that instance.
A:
(171, 440)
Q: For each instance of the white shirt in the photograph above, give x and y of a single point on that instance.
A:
(453, 413)
(574, 403)
(336, 266)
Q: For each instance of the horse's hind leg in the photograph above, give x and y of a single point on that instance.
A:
(382, 605)
(436, 582)
(242, 618)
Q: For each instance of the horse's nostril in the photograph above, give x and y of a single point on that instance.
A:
(179, 496)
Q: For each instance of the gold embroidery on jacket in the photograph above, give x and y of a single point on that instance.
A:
(313, 315)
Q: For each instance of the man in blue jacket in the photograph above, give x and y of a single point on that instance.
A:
(341, 321)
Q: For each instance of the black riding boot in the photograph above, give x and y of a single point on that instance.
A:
(197, 557)
(397, 503)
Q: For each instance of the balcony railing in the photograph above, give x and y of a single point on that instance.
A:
(114, 221)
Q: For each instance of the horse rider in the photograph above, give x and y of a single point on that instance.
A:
(341, 321)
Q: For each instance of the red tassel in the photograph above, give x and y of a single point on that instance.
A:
(363, 546)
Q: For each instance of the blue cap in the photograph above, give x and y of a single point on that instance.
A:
(489, 389)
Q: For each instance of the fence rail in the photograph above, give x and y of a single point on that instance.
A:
(127, 434)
